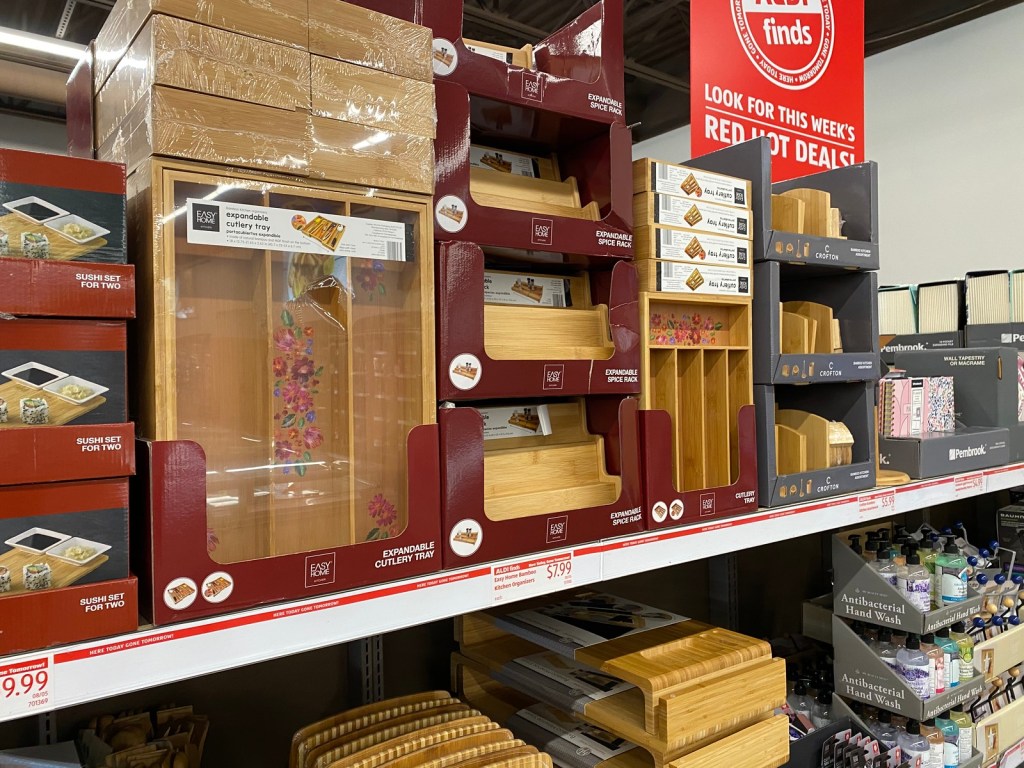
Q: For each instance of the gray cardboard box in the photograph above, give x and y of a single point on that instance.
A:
(860, 594)
(984, 381)
(850, 403)
(1016, 453)
(853, 297)
(995, 335)
(861, 675)
(945, 453)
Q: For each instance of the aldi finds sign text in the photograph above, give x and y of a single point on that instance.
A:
(791, 70)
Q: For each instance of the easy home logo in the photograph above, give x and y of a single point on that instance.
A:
(789, 41)
(872, 606)
(205, 217)
(955, 454)
(320, 569)
(543, 232)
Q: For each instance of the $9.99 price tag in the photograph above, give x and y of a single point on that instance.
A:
(529, 578)
(25, 688)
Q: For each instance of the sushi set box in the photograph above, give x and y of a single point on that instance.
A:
(66, 289)
(61, 208)
(58, 535)
(63, 401)
(36, 620)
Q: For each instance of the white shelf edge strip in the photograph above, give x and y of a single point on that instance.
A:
(99, 669)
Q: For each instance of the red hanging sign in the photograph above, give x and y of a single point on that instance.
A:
(791, 70)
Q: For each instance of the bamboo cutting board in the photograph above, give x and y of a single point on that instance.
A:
(61, 249)
(315, 734)
(62, 574)
(390, 727)
(61, 411)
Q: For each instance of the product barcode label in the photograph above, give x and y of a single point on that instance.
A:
(396, 251)
(558, 301)
(662, 171)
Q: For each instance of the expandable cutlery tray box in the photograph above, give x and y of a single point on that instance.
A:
(61, 208)
(587, 342)
(187, 571)
(58, 535)
(849, 297)
(579, 484)
(598, 156)
(62, 400)
(577, 70)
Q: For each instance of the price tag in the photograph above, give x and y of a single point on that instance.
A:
(878, 504)
(972, 484)
(529, 578)
(26, 688)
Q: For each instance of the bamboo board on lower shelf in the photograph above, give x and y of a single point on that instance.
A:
(696, 364)
(762, 743)
(547, 333)
(548, 473)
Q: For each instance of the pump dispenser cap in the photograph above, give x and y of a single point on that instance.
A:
(913, 727)
(959, 627)
(929, 723)
(942, 632)
(800, 689)
(951, 548)
(885, 634)
(928, 637)
(884, 716)
(913, 558)
(913, 642)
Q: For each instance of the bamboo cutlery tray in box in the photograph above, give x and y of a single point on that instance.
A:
(427, 730)
(668, 689)
(565, 470)
(696, 366)
(299, 371)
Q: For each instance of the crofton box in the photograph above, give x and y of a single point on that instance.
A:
(60, 534)
(61, 208)
(36, 620)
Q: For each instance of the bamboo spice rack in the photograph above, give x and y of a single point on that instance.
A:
(555, 197)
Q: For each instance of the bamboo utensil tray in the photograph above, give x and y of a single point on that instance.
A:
(696, 365)
(517, 57)
(553, 473)
(523, 193)
(809, 441)
(275, 379)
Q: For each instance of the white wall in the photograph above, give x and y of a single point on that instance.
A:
(945, 122)
(21, 132)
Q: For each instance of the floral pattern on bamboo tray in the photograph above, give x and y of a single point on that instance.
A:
(296, 381)
(385, 518)
(684, 329)
(370, 279)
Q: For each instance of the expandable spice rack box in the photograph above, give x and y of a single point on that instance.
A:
(293, 452)
(64, 563)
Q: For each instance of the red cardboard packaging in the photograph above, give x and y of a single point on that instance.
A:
(81, 120)
(73, 437)
(577, 70)
(34, 621)
(66, 289)
(61, 208)
(598, 155)
(175, 553)
(667, 507)
(471, 537)
(460, 318)
(58, 535)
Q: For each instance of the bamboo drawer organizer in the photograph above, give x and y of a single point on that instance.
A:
(692, 680)
(809, 328)
(761, 745)
(429, 729)
(495, 189)
(579, 332)
(525, 476)
(517, 57)
(806, 441)
(696, 365)
(300, 396)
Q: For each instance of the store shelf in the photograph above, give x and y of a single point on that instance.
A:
(99, 669)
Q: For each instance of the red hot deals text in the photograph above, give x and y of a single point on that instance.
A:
(403, 555)
(733, 117)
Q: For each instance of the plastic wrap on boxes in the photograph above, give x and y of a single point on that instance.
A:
(344, 31)
(344, 91)
(168, 121)
(356, 154)
(280, 21)
(174, 52)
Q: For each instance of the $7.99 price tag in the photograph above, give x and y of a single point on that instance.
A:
(25, 688)
(529, 578)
